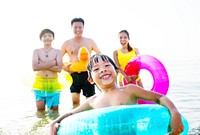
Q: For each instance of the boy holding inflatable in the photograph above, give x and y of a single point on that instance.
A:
(103, 72)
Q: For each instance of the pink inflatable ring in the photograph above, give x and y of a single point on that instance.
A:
(155, 67)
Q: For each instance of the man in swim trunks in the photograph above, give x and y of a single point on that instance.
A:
(71, 48)
(47, 62)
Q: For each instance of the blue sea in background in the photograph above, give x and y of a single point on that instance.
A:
(17, 102)
(184, 91)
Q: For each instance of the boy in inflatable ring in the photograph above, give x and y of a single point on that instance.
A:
(103, 72)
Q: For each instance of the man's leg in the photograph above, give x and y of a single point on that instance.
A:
(75, 99)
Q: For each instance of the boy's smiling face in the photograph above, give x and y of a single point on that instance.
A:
(103, 73)
(47, 38)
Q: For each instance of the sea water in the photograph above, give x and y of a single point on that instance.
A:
(17, 114)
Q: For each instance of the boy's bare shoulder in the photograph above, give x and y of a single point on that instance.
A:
(130, 87)
(37, 50)
(57, 50)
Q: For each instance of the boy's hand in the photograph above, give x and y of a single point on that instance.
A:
(54, 128)
(176, 124)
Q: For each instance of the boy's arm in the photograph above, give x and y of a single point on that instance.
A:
(58, 66)
(176, 121)
(38, 64)
(55, 124)
(83, 107)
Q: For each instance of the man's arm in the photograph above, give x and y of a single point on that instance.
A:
(63, 49)
(65, 67)
(95, 47)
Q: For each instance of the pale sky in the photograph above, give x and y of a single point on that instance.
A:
(166, 29)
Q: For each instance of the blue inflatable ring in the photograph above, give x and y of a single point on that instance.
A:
(146, 119)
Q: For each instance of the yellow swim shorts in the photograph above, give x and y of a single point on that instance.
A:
(47, 84)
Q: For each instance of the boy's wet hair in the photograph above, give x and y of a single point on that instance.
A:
(46, 31)
(77, 20)
(95, 59)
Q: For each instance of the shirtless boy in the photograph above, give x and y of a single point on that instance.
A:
(103, 72)
(47, 62)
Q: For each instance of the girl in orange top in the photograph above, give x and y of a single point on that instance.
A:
(123, 55)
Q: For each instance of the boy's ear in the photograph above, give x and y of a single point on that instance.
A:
(90, 80)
